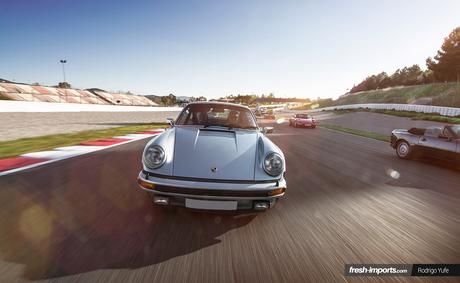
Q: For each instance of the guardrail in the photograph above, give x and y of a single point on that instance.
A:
(445, 111)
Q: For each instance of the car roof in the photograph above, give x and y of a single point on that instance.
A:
(435, 127)
(217, 103)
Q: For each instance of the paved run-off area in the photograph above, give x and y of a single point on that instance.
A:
(349, 200)
(18, 125)
(372, 122)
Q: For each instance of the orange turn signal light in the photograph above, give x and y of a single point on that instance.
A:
(145, 184)
(276, 191)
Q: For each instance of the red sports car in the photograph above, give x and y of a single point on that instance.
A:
(303, 120)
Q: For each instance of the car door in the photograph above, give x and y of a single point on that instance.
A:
(447, 145)
(437, 143)
(455, 131)
(457, 151)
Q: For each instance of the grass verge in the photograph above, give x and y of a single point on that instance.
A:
(408, 114)
(25, 145)
(306, 106)
(440, 94)
(356, 132)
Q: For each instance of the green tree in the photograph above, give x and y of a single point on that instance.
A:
(169, 100)
(413, 75)
(446, 64)
(164, 101)
(64, 85)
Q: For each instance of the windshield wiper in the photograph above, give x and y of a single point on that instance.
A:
(231, 127)
(211, 125)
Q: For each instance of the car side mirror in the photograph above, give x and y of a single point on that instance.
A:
(170, 121)
(267, 130)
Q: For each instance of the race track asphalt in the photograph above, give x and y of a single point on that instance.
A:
(349, 200)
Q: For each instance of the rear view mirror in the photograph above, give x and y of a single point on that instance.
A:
(268, 130)
(217, 110)
(170, 121)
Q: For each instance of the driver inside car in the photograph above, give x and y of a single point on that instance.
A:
(232, 118)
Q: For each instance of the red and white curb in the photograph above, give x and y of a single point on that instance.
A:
(35, 159)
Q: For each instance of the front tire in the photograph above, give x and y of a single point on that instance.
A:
(404, 150)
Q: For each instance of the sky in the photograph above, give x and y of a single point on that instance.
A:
(217, 48)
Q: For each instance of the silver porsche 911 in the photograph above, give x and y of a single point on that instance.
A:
(214, 156)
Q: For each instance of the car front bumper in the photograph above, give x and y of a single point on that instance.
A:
(306, 124)
(180, 189)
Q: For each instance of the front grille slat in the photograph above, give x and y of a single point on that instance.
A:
(212, 192)
(194, 179)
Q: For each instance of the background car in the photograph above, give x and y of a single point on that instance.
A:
(303, 120)
(269, 115)
(434, 142)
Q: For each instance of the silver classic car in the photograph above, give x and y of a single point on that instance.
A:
(214, 156)
(434, 142)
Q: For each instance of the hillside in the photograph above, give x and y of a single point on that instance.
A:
(439, 94)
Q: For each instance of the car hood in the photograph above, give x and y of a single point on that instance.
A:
(215, 153)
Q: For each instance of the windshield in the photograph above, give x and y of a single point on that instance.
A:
(303, 116)
(455, 130)
(217, 115)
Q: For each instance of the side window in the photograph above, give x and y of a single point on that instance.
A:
(433, 132)
(446, 133)
(184, 117)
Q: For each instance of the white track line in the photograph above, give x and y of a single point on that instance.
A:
(70, 151)
(52, 154)
(80, 148)
(134, 136)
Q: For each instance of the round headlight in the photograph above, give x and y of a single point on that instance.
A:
(154, 156)
(273, 164)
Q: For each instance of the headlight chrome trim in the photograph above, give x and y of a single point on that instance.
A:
(148, 162)
(273, 155)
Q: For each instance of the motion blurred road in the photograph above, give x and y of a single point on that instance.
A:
(349, 200)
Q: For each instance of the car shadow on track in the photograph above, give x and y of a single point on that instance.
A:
(70, 219)
(140, 238)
